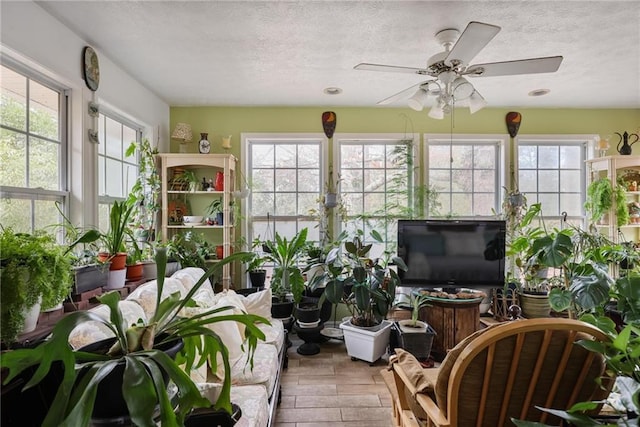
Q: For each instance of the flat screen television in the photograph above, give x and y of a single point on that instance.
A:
(452, 253)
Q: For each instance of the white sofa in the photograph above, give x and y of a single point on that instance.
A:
(256, 390)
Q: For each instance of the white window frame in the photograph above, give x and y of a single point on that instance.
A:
(588, 143)
(502, 160)
(376, 138)
(107, 199)
(246, 168)
(34, 194)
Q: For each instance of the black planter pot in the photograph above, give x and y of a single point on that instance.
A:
(110, 403)
(257, 278)
(207, 417)
(281, 309)
(307, 312)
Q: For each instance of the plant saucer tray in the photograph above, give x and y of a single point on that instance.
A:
(464, 296)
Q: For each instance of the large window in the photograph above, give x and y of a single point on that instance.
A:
(466, 173)
(117, 173)
(377, 184)
(33, 149)
(551, 170)
(286, 176)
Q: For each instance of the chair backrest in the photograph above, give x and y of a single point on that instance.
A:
(508, 369)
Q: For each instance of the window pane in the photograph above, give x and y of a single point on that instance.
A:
(548, 157)
(31, 151)
(16, 213)
(114, 139)
(263, 203)
(43, 164)
(308, 180)
(13, 157)
(440, 180)
(285, 156)
(528, 182)
(13, 106)
(461, 204)
(462, 157)
(45, 212)
(285, 180)
(309, 156)
(352, 180)
(286, 204)
(351, 156)
(44, 111)
(263, 179)
(570, 180)
(262, 156)
(548, 181)
(114, 178)
(571, 203)
(527, 157)
(484, 180)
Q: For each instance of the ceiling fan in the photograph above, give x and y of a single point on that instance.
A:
(448, 85)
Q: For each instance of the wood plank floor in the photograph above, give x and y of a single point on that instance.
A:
(329, 389)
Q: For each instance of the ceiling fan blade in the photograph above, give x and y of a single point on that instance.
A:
(472, 40)
(389, 68)
(402, 94)
(548, 64)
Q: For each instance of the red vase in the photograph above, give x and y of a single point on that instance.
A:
(219, 181)
(220, 251)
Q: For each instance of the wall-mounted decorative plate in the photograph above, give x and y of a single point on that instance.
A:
(90, 68)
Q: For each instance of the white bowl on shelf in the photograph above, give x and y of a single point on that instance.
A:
(190, 219)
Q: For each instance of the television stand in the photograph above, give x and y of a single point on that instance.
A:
(453, 321)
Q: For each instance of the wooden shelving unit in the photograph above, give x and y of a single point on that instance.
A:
(207, 166)
(612, 167)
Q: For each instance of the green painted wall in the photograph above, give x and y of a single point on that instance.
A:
(219, 121)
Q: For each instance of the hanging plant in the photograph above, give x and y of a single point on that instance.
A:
(622, 212)
(599, 199)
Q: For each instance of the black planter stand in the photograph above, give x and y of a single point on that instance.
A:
(311, 337)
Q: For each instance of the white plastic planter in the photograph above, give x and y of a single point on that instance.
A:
(116, 279)
(368, 344)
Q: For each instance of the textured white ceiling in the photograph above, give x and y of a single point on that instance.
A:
(284, 53)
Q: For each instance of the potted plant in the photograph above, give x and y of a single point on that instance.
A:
(145, 192)
(135, 359)
(287, 277)
(215, 212)
(367, 287)
(257, 274)
(413, 334)
(134, 262)
(190, 249)
(35, 272)
(599, 199)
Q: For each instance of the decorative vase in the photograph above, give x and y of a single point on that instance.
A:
(219, 184)
(226, 142)
(220, 251)
(625, 148)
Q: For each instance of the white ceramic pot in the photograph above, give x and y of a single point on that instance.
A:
(116, 279)
(31, 317)
(367, 344)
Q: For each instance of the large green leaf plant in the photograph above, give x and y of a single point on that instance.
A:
(286, 255)
(367, 286)
(144, 388)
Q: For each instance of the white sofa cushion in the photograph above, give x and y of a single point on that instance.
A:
(189, 276)
(145, 294)
(258, 303)
(264, 372)
(92, 331)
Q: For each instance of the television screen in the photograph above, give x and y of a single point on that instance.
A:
(452, 253)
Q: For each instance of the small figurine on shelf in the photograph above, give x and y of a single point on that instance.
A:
(205, 184)
(634, 213)
(633, 186)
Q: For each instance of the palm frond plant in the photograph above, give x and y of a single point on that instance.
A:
(286, 255)
(135, 349)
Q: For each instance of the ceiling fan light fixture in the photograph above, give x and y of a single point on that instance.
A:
(476, 102)
(418, 100)
(437, 111)
(462, 89)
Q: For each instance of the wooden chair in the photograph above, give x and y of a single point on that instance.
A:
(504, 371)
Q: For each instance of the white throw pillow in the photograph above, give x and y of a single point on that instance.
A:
(259, 303)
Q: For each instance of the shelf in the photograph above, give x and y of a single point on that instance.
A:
(206, 165)
(178, 226)
(192, 193)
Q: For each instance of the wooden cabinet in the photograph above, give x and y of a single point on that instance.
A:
(178, 200)
(614, 167)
